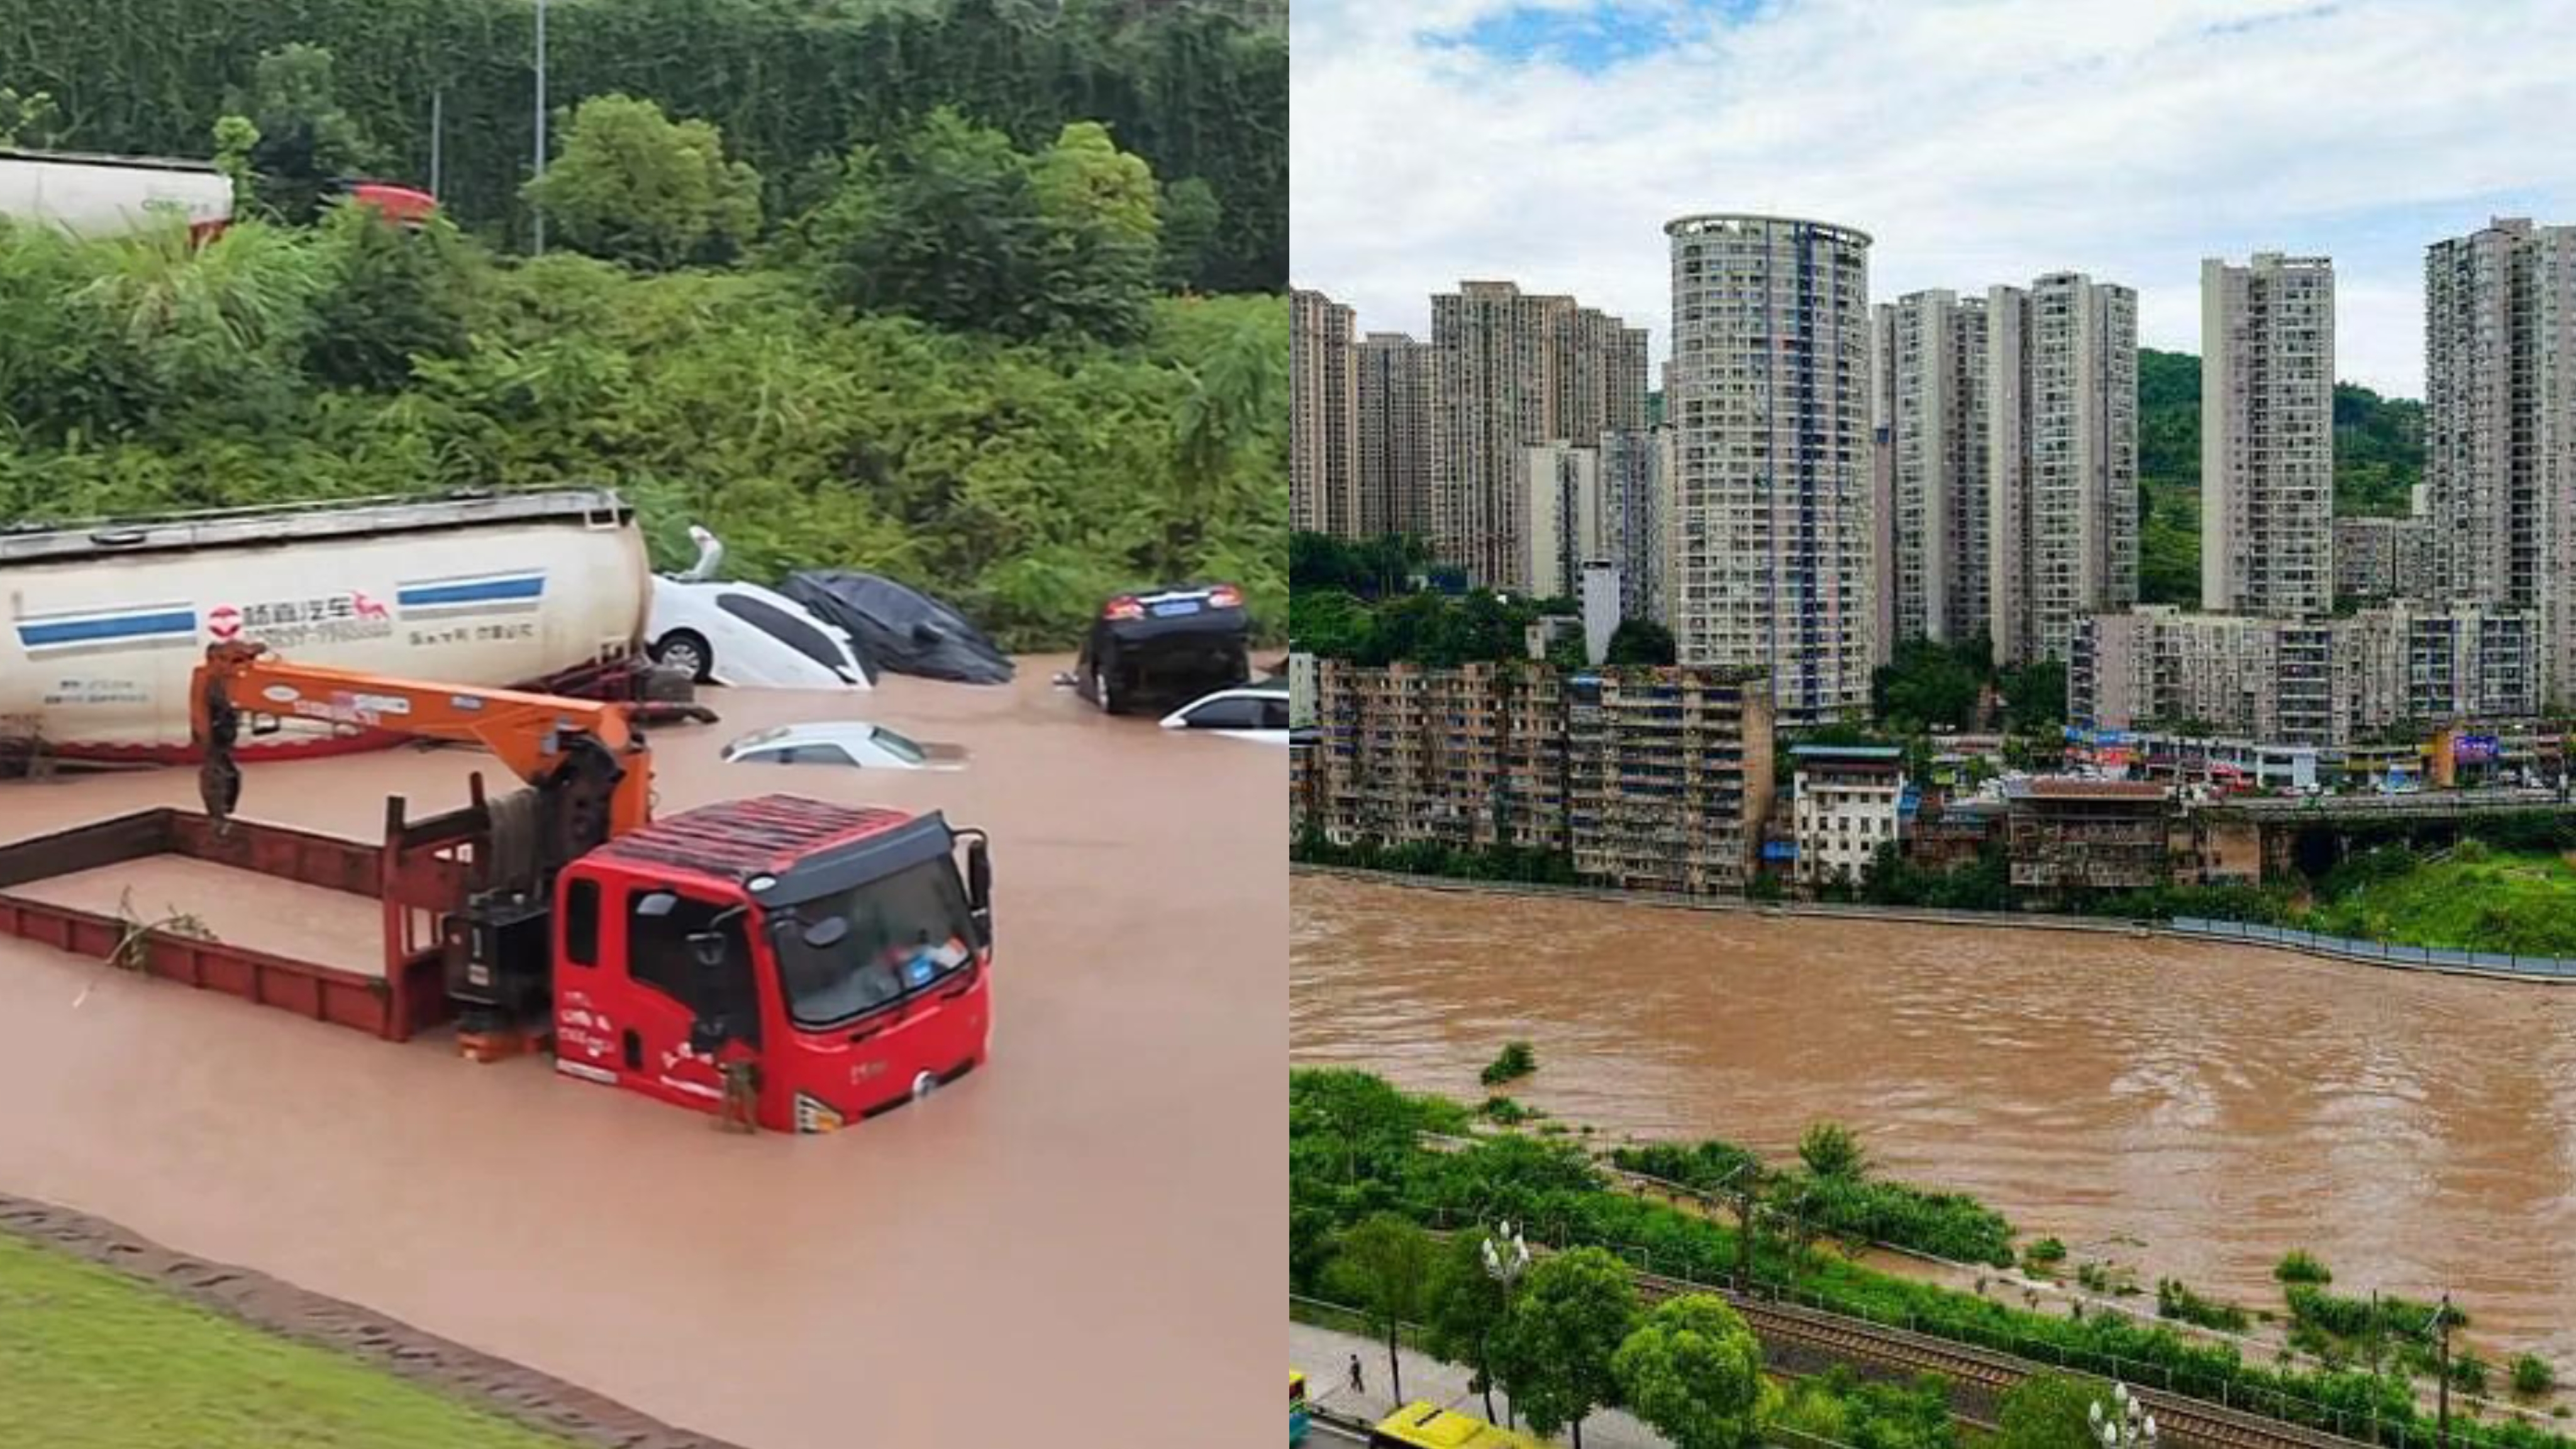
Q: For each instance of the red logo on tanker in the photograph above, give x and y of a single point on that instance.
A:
(367, 608)
(223, 621)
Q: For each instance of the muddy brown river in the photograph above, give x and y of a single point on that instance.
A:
(1077, 1245)
(2223, 1105)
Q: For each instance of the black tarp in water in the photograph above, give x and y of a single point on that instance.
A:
(901, 629)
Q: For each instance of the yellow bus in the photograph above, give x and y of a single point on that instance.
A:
(1420, 1425)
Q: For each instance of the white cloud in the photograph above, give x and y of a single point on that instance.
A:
(1978, 141)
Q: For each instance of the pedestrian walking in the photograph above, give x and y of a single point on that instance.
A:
(1357, 1385)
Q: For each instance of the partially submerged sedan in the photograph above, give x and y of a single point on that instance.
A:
(850, 742)
(1256, 712)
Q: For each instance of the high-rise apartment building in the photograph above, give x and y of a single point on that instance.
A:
(1635, 503)
(2062, 459)
(1324, 474)
(1323, 441)
(1565, 520)
(1395, 435)
(1513, 370)
(1930, 363)
(2267, 436)
(2500, 426)
(1769, 400)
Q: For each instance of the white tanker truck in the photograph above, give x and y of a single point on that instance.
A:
(101, 624)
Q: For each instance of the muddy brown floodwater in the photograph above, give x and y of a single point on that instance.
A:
(1077, 1245)
(2223, 1105)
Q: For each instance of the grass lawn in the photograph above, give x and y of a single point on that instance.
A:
(89, 1357)
(2474, 900)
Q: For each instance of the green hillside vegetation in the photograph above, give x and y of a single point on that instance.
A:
(1198, 90)
(2379, 457)
(2471, 898)
(1024, 422)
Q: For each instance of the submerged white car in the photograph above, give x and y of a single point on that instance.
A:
(747, 636)
(1256, 712)
(852, 742)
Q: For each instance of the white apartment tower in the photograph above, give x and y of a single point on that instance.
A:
(1565, 520)
(1513, 370)
(2267, 436)
(1323, 440)
(1929, 363)
(2062, 470)
(1395, 435)
(2500, 427)
(1768, 397)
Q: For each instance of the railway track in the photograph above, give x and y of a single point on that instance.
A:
(2180, 1418)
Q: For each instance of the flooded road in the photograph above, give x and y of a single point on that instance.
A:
(1017, 1260)
(2417, 1133)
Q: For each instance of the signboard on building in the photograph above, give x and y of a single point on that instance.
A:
(2474, 749)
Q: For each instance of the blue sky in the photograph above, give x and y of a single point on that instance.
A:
(1978, 141)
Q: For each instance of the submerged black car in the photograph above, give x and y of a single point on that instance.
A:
(1165, 647)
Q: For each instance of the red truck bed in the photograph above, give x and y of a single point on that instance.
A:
(421, 872)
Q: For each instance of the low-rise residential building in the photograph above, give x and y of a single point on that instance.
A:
(1845, 808)
(1651, 779)
(1951, 831)
(2068, 834)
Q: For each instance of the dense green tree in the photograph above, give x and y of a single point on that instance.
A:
(2034, 696)
(1693, 1372)
(632, 185)
(1465, 1310)
(951, 223)
(1641, 641)
(1568, 1318)
(1830, 1149)
(1193, 219)
(1384, 1266)
(1103, 232)
(391, 294)
(1929, 684)
(308, 139)
(2047, 1411)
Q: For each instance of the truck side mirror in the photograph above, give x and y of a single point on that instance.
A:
(979, 884)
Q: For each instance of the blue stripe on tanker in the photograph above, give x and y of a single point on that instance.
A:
(91, 631)
(470, 591)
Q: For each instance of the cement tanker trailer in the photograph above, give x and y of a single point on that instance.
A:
(102, 624)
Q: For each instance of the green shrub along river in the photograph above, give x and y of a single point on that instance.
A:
(1356, 1149)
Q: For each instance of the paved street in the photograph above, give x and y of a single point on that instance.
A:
(1326, 1357)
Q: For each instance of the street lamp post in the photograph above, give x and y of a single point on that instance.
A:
(1504, 1265)
(2127, 1425)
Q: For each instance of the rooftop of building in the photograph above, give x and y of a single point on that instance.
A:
(2069, 787)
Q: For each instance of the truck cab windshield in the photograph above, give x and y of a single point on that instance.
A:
(894, 938)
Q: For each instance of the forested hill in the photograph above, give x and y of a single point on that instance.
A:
(2379, 441)
(2379, 457)
(1197, 89)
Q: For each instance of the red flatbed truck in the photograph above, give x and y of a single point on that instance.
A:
(844, 956)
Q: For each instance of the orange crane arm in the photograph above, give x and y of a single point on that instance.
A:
(535, 735)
